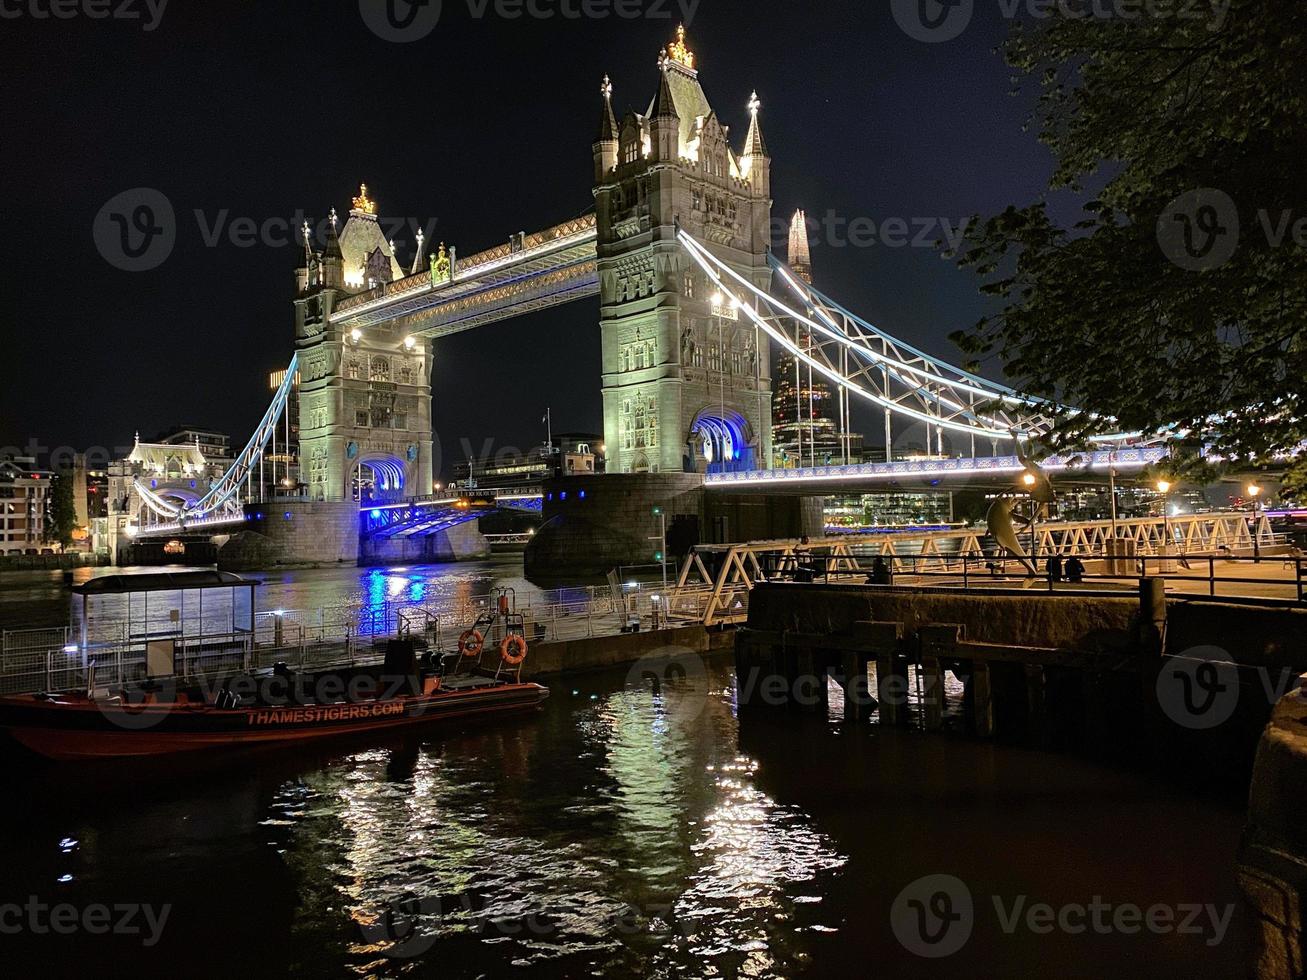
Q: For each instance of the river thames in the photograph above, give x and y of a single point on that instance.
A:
(617, 832)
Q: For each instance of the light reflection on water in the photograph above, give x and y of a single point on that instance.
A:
(605, 838)
(39, 599)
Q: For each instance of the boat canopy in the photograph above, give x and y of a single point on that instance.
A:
(161, 582)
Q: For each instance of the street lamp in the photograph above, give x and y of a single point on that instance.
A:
(1029, 479)
(1164, 488)
(1255, 492)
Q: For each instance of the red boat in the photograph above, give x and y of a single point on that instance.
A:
(152, 719)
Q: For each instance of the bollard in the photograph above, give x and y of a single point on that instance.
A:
(892, 688)
(1152, 616)
(932, 676)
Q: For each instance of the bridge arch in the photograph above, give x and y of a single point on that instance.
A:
(379, 476)
(725, 441)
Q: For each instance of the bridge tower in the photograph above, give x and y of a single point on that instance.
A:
(687, 380)
(364, 394)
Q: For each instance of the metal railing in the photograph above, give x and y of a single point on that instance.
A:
(1283, 577)
(342, 635)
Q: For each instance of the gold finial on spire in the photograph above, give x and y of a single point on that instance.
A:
(363, 203)
(606, 89)
(755, 103)
(679, 52)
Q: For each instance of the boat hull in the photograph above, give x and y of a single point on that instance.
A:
(73, 729)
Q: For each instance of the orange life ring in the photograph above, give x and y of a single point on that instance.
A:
(471, 643)
(513, 649)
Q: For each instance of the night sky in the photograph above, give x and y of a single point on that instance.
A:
(484, 127)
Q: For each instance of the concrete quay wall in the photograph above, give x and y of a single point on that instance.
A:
(559, 658)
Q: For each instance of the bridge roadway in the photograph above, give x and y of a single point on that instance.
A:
(531, 272)
(985, 472)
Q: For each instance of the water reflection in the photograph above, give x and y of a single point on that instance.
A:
(39, 599)
(627, 844)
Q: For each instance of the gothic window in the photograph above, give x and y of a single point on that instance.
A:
(361, 419)
(687, 285)
(405, 372)
(401, 420)
(639, 357)
(380, 369)
(353, 370)
(697, 199)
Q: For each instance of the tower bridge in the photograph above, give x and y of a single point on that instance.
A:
(691, 304)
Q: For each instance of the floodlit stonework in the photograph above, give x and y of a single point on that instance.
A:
(687, 383)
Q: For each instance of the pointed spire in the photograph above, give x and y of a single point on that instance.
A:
(607, 124)
(755, 145)
(333, 242)
(665, 104)
(308, 247)
(417, 259)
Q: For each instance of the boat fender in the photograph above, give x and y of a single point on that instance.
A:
(471, 643)
(513, 649)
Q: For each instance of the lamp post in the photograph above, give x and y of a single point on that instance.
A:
(1164, 488)
(1255, 492)
(1029, 479)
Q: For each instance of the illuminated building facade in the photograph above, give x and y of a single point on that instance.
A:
(687, 384)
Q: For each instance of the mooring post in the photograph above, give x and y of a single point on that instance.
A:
(932, 693)
(858, 703)
(1152, 616)
(892, 688)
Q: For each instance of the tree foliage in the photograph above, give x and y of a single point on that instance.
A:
(61, 510)
(1105, 314)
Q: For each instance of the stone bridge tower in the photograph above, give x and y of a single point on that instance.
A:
(687, 379)
(364, 395)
